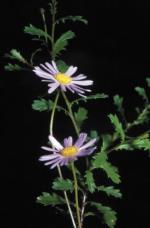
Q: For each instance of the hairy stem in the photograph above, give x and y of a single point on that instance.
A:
(76, 195)
(44, 23)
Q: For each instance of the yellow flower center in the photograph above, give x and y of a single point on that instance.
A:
(69, 151)
(63, 78)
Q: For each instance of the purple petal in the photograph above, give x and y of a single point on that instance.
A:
(86, 152)
(68, 141)
(81, 140)
(71, 71)
(48, 157)
(48, 149)
(53, 86)
(89, 144)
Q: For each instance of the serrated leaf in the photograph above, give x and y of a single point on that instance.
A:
(118, 101)
(47, 199)
(89, 214)
(62, 66)
(12, 67)
(62, 42)
(34, 31)
(110, 191)
(89, 180)
(72, 18)
(42, 105)
(141, 91)
(148, 81)
(14, 54)
(63, 185)
(107, 138)
(117, 126)
(81, 115)
(142, 144)
(108, 214)
(100, 161)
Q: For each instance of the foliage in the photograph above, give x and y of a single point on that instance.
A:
(50, 199)
(34, 31)
(81, 116)
(63, 185)
(117, 126)
(110, 191)
(73, 19)
(90, 182)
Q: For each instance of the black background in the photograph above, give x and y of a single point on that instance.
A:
(113, 50)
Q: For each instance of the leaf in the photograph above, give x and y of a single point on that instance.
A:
(148, 81)
(89, 214)
(118, 101)
(107, 138)
(34, 31)
(72, 18)
(108, 214)
(14, 54)
(141, 91)
(92, 97)
(89, 180)
(50, 199)
(62, 42)
(110, 191)
(62, 66)
(42, 105)
(81, 116)
(142, 144)
(117, 125)
(63, 185)
(94, 134)
(100, 161)
(12, 67)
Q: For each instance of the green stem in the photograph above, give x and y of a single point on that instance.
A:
(76, 195)
(44, 23)
(58, 167)
(71, 113)
(53, 11)
(53, 113)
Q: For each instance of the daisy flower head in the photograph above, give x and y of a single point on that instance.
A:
(66, 81)
(69, 151)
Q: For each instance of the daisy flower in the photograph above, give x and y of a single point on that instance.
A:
(69, 151)
(65, 81)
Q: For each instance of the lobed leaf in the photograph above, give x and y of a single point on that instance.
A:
(108, 214)
(89, 180)
(141, 91)
(63, 184)
(16, 55)
(47, 199)
(110, 191)
(117, 126)
(81, 115)
(76, 18)
(34, 31)
(12, 67)
(62, 42)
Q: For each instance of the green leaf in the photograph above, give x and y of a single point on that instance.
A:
(118, 101)
(142, 143)
(42, 105)
(62, 42)
(94, 134)
(81, 115)
(50, 199)
(117, 126)
(108, 214)
(62, 66)
(63, 185)
(89, 180)
(148, 81)
(16, 55)
(34, 31)
(110, 191)
(107, 139)
(12, 67)
(92, 97)
(100, 161)
(72, 18)
(141, 91)
(89, 214)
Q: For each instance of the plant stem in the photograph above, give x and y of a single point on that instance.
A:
(44, 23)
(53, 12)
(76, 195)
(53, 113)
(71, 113)
(58, 167)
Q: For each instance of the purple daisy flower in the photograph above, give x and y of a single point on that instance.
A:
(65, 81)
(69, 151)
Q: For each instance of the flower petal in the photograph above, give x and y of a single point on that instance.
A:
(71, 70)
(68, 141)
(83, 83)
(89, 144)
(81, 140)
(86, 152)
(48, 149)
(53, 87)
(55, 143)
